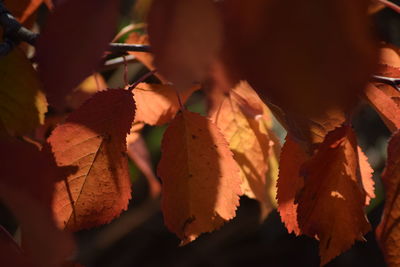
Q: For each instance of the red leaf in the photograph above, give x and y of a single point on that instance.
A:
(312, 82)
(385, 105)
(23, 9)
(331, 203)
(94, 139)
(183, 41)
(289, 182)
(27, 192)
(201, 183)
(72, 42)
(158, 104)
(388, 231)
(138, 152)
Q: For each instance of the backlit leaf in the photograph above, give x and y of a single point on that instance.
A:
(140, 155)
(388, 231)
(27, 192)
(184, 36)
(93, 138)
(241, 119)
(331, 203)
(23, 9)
(158, 104)
(304, 68)
(289, 182)
(22, 103)
(201, 182)
(69, 50)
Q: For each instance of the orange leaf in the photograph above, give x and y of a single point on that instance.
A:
(241, 119)
(23, 9)
(94, 139)
(305, 69)
(183, 41)
(66, 56)
(158, 104)
(385, 105)
(331, 203)
(201, 182)
(27, 192)
(388, 231)
(138, 152)
(146, 58)
(366, 176)
(289, 182)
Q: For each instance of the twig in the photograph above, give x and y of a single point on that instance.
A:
(390, 5)
(14, 32)
(121, 47)
(114, 62)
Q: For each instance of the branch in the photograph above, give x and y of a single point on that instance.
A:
(123, 48)
(14, 32)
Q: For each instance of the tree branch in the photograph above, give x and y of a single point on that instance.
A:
(14, 32)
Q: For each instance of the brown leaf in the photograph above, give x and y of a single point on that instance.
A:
(139, 154)
(85, 90)
(11, 253)
(305, 69)
(289, 182)
(94, 139)
(66, 56)
(201, 182)
(331, 203)
(366, 176)
(185, 37)
(241, 119)
(388, 231)
(158, 104)
(384, 104)
(27, 192)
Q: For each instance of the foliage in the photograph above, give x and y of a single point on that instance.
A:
(65, 141)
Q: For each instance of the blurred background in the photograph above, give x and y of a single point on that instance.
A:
(139, 238)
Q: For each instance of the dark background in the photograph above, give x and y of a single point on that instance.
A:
(139, 238)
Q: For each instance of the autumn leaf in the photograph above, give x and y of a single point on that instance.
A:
(388, 231)
(66, 56)
(366, 173)
(333, 196)
(384, 104)
(93, 138)
(11, 253)
(23, 9)
(22, 102)
(290, 182)
(241, 119)
(158, 104)
(85, 90)
(27, 192)
(181, 23)
(201, 182)
(140, 155)
(304, 69)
